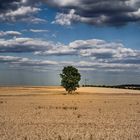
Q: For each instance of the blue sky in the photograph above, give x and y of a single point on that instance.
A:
(38, 38)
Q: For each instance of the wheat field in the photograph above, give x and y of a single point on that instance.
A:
(46, 113)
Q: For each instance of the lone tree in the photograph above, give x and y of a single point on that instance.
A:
(70, 78)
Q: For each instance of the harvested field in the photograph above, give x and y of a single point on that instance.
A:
(45, 113)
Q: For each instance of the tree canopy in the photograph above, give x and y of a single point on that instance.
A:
(70, 78)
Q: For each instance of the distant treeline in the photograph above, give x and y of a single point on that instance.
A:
(129, 86)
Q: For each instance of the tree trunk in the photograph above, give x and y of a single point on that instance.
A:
(69, 91)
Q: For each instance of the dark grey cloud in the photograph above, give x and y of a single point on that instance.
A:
(97, 12)
(8, 4)
(11, 5)
(19, 10)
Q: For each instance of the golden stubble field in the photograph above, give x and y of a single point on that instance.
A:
(45, 113)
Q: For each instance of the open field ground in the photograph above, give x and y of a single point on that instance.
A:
(45, 113)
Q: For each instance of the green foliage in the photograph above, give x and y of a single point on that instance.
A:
(70, 78)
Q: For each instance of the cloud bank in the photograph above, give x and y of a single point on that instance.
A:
(97, 12)
(93, 54)
(24, 45)
(19, 10)
(93, 12)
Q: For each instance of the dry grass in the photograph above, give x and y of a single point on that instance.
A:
(44, 113)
